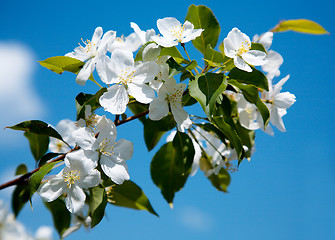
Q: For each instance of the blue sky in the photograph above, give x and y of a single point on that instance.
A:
(287, 191)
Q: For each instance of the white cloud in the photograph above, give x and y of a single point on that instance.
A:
(18, 98)
(196, 219)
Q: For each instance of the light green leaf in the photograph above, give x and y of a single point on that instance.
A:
(251, 94)
(300, 25)
(60, 215)
(206, 88)
(129, 195)
(257, 46)
(83, 99)
(203, 18)
(212, 57)
(39, 144)
(170, 166)
(97, 205)
(256, 78)
(176, 68)
(37, 177)
(47, 157)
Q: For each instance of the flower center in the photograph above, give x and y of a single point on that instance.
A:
(177, 32)
(91, 120)
(90, 48)
(175, 97)
(245, 47)
(71, 177)
(106, 148)
(126, 76)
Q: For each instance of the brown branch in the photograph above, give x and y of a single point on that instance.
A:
(24, 178)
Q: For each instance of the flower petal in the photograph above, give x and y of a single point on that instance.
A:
(84, 138)
(85, 72)
(115, 100)
(123, 149)
(75, 199)
(166, 25)
(118, 172)
(181, 117)
(241, 64)
(254, 57)
(141, 92)
(159, 107)
(52, 189)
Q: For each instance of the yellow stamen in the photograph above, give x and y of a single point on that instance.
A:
(71, 177)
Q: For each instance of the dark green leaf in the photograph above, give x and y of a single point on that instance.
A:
(97, 205)
(21, 169)
(251, 95)
(213, 57)
(38, 127)
(188, 100)
(256, 78)
(185, 75)
(137, 108)
(39, 144)
(84, 99)
(173, 52)
(176, 68)
(220, 181)
(19, 198)
(202, 17)
(61, 216)
(37, 177)
(170, 166)
(129, 195)
(47, 157)
(154, 130)
(206, 88)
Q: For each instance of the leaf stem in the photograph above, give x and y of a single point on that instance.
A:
(183, 45)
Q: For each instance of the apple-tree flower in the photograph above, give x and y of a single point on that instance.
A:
(170, 94)
(277, 103)
(174, 33)
(93, 53)
(91, 119)
(78, 174)
(249, 116)
(237, 46)
(111, 154)
(127, 78)
(143, 36)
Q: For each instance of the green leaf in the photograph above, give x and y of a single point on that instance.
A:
(37, 177)
(129, 195)
(154, 130)
(176, 68)
(220, 181)
(38, 127)
(21, 169)
(171, 165)
(300, 25)
(202, 17)
(39, 144)
(83, 99)
(257, 46)
(213, 57)
(256, 78)
(19, 198)
(59, 64)
(97, 205)
(139, 53)
(172, 52)
(47, 157)
(61, 216)
(206, 88)
(230, 133)
(188, 100)
(251, 95)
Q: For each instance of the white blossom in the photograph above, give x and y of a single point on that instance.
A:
(249, 116)
(111, 153)
(174, 33)
(170, 94)
(78, 174)
(237, 45)
(127, 78)
(93, 53)
(65, 128)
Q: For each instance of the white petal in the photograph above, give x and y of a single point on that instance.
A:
(84, 138)
(276, 119)
(181, 117)
(277, 88)
(141, 92)
(164, 42)
(85, 72)
(284, 100)
(115, 100)
(159, 107)
(238, 38)
(118, 172)
(107, 39)
(97, 35)
(92, 179)
(266, 39)
(123, 149)
(52, 189)
(241, 64)
(103, 70)
(75, 199)
(165, 26)
(82, 162)
(121, 60)
(254, 57)
(229, 48)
